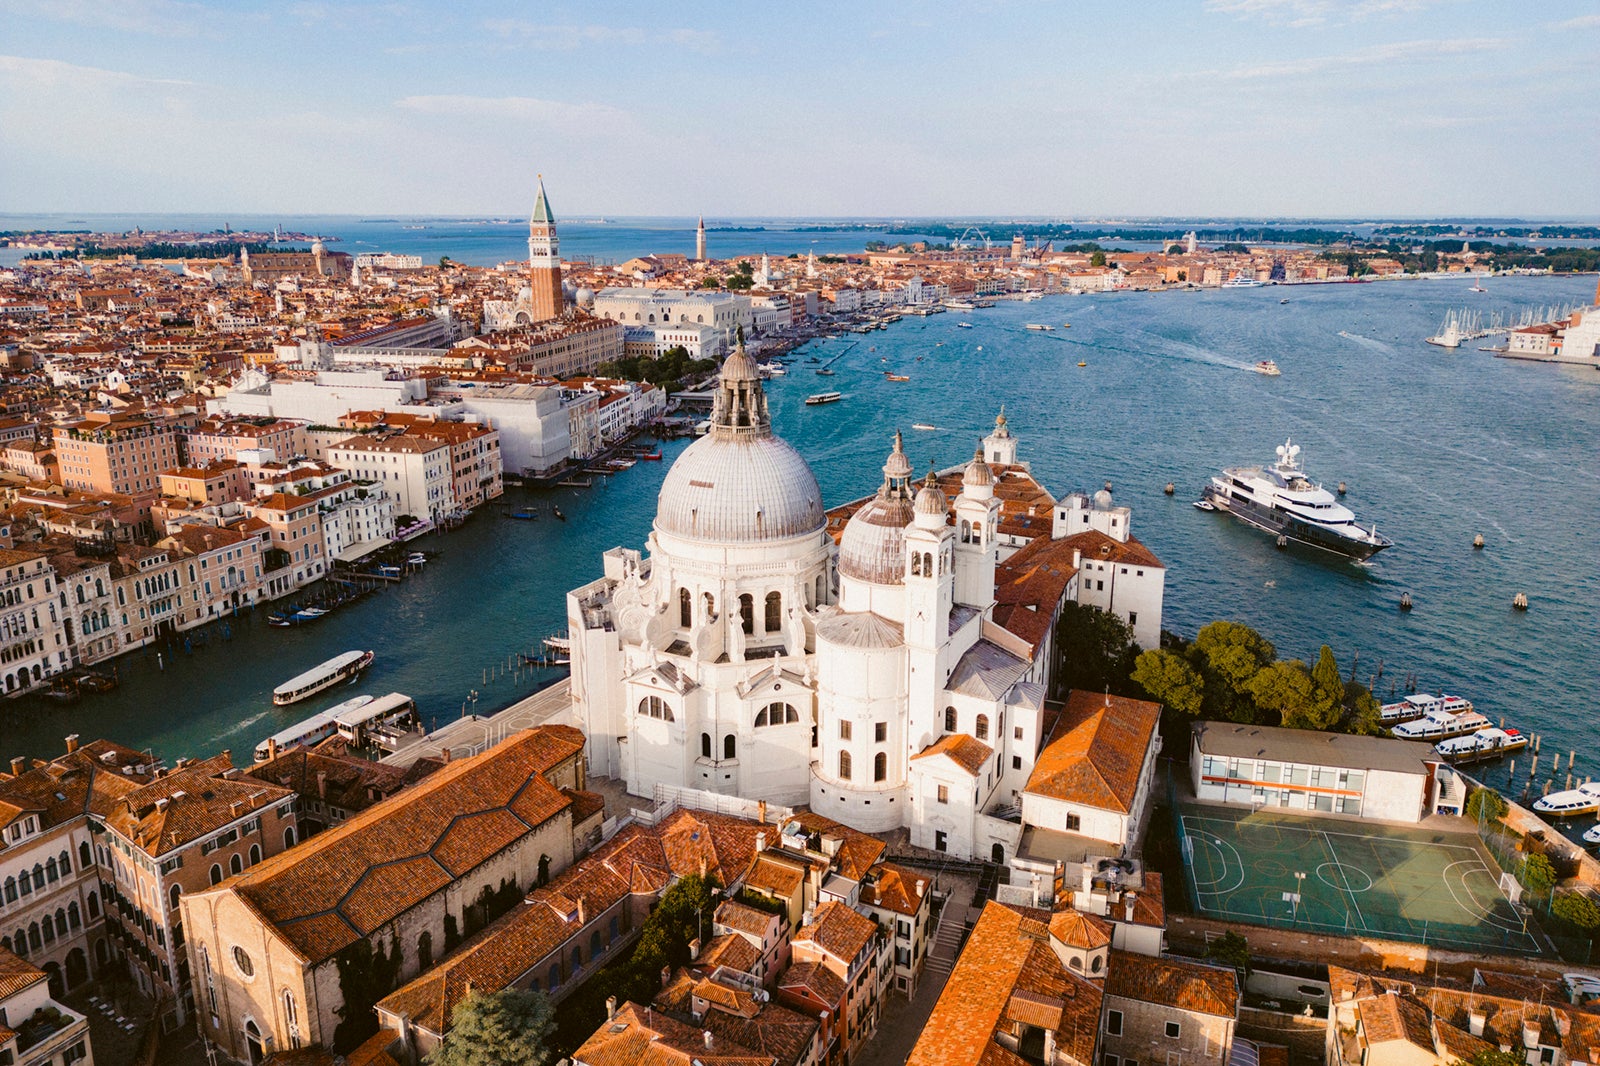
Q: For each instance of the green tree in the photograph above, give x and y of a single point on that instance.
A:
(512, 1027)
(1538, 875)
(1485, 805)
(1094, 650)
(710, 283)
(1228, 655)
(1231, 949)
(1576, 909)
(444, 261)
(1327, 689)
(1167, 678)
(1362, 711)
(1285, 688)
(1098, 259)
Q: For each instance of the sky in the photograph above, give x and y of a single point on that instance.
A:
(1349, 109)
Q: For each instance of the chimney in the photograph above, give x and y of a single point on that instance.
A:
(761, 842)
(444, 756)
(1530, 1035)
(694, 949)
(322, 784)
(1128, 901)
(161, 804)
(227, 756)
(761, 812)
(1476, 1020)
(921, 884)
(19, 765)
(708, 1038)
(611, 1007)
(272, 748)
(72, 743)
(235, 807)
(1077, 558)
(583, 913)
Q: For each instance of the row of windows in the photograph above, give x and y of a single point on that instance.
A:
(980, 727)
(30, 881)
(880, 767)
(772, 714)
(772, 619)
(43, 932)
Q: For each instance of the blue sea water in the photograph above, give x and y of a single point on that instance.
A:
(1436, 446)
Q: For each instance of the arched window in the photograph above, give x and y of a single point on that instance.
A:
(949, 719)
(235, 863)
(80, 595)
(85, 856)
(880, 767)
(614, 930)
(291, 1015)
(728, 746)
(555, 975)
(777, 714)
(747, 613)
(685, 610)
(19, 943)
(255, 854)
(216, 874)
(705, 745)
(61, 921)
(977, 532)
(774, 611)
(94, 905)
(982, 730)
(844, 766)
(64, 861)
(172, 896)
(577, 958)
(288, 837)
(916, 564)
(425, 951)
(655, 707)
(966, 531)
(711, 604)
(38, 875)
(49, 930)
(74, 918)
(11, 890)
(595, 944)
(927, 564)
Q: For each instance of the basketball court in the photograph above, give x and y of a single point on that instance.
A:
(1348, 876)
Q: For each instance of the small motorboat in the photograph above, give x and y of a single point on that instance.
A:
(963, 325)
(417, 559)
(1267, 367)
(558, 514)
(825, 372)
(651, 457)
(524, 515)
(1082, 363)
(1204, 505)
(897, 377)
(923, 426)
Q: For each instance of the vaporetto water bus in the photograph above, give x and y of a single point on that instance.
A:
(337, 670)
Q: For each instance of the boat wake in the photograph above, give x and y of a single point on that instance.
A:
(1368, 342)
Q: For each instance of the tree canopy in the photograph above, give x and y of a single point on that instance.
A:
(512, 1027)
(1094, 651)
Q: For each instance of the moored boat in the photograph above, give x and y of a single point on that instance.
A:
(313, 730)
(337, 670)
(1281, 500)
(1039, 327)
(1440, 725)
(1488, 743)
(897, 377)
(1571, 802)
(1419, 704)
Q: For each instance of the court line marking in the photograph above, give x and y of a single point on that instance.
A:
(1419, 845)
(1220, 844)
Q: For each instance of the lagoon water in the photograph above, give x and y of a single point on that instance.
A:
(1435, 445)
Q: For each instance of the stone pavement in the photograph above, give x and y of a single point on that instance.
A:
(472, 734)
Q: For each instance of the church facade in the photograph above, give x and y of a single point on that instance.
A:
(860, 662)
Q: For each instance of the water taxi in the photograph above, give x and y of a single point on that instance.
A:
(1268, 367)
(963, 325)
(923, 426)
(1420, 704)
(1440, 725)
(1488, 743)
(897, 377)
(337, 670)
(1204, 505)
(311, 731)
(1039, 326)
(825, 372)
(823, 397)
(1571, 802)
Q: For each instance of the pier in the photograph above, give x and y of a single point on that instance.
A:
(471, 734)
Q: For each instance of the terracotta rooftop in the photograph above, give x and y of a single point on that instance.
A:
(1008, 971)
(1096, 753)
(1173, 982)
(838, 930)
(966, 752)
(340, 885)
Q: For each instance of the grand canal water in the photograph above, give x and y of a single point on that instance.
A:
(1436, 446)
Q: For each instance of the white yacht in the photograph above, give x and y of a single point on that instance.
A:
(1283, 501)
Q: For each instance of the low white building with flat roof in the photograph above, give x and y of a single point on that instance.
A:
(1319, 773)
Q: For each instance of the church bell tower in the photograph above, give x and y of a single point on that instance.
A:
(544, 260)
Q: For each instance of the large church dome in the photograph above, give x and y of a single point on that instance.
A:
(739, 483)
(872, 546)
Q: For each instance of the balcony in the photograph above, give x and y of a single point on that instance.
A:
(46, 1023)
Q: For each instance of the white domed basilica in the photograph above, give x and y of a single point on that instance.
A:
(885, 663)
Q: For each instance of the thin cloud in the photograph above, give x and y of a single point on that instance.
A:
(565, 38)
(168, 18)
(552, 114)
(1582, 22)
(1397, 52)
(1304, 13)
(54, 73)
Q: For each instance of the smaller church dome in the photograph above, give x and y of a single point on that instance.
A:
(872, 546)
(931, 499)
(586, 297)
(978, 474)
